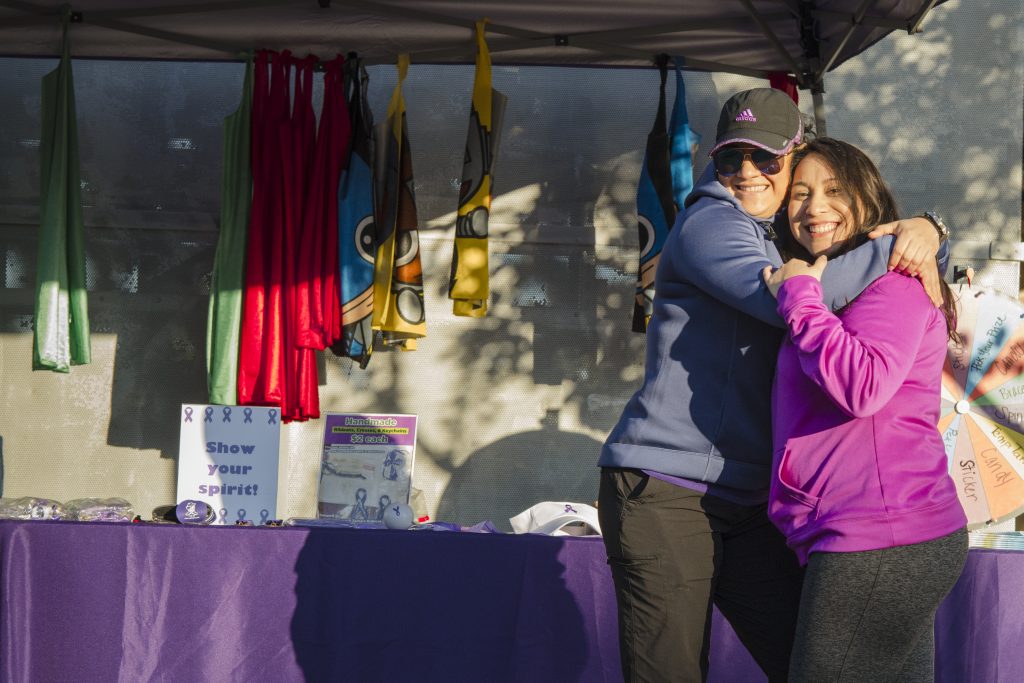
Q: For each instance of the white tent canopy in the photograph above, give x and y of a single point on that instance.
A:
(805, 38)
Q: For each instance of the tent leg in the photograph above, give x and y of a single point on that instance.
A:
(817, 92)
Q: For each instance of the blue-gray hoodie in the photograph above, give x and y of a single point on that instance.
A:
(703, 411)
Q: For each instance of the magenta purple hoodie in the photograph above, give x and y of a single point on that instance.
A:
(859, 463)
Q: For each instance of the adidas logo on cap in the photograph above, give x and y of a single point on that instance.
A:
(747, 115)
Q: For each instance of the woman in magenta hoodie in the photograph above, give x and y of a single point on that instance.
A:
(860, 485)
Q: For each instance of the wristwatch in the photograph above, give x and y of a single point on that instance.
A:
(936, 220)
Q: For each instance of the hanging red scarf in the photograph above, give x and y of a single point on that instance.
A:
(273, 368)
(261, 372)
(319, 310)
(298, 142)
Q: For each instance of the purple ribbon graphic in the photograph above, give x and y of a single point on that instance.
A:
(188, 413)
(209, 414)
(248, 415)
(227, 414)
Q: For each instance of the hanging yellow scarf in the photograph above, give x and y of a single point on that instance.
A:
(468, 284)
(398, 308)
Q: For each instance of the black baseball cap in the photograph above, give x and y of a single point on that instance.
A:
(763, 117)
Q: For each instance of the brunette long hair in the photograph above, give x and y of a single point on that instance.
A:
(871, 203)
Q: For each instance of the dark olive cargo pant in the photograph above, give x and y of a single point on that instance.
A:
(673, 553)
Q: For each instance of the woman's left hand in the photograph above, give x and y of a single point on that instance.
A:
(916, 245)
(914, 252)
(791, 269)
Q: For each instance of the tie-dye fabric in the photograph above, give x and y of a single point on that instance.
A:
(468, 285)
(666, 177)
(357, 236)
(398, 308)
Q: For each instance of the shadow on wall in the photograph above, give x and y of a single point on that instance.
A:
(148, 289)
(160, 321)
(563, 308)
(150, 144)
(505, 477)
(903, 101)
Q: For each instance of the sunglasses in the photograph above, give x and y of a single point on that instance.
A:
(729, 161)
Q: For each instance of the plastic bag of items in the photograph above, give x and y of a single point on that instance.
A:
(30, 507)
(99, 510)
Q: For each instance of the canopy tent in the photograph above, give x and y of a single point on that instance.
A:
(555, 358)
(806, 38)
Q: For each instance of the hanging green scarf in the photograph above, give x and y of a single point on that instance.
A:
(61, 335)
(224, 319)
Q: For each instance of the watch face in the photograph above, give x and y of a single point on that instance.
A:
(937, 222)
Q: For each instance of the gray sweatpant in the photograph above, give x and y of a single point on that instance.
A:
(870, 616)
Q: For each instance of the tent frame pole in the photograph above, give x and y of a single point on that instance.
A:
(798, 72)
(855, 22)
(115, 25)
(915, 27)
(813, 77)
(818, 97)
(103, 20)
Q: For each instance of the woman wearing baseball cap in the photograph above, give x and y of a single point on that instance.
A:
(686, 470)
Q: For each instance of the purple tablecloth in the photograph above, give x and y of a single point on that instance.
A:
(107, 602)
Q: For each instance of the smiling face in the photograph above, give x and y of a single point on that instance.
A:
(758, 193)
(819, 209)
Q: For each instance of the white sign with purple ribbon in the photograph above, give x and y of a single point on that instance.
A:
(228, 458)
(366, 465)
